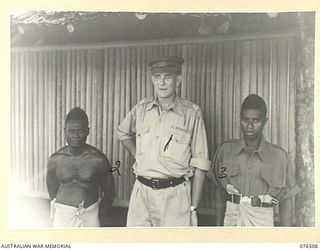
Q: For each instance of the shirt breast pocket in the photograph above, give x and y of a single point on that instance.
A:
(143, 139)
(176, 146)
(273, 176)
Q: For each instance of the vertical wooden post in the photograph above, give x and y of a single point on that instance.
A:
(305, 204)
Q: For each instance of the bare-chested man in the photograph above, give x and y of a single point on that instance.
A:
(75, 175)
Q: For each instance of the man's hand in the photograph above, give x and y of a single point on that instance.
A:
(52, 208)
(266, 198)
(104, 213)
(231, 189)
(194, 218)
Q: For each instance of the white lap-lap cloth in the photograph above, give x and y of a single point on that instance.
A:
(244, 215)
(69, 216)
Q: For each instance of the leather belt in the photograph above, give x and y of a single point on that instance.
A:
(161, 183)
(252, 200)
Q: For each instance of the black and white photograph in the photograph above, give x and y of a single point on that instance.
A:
(162, 119)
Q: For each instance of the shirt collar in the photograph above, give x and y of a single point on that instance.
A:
(241, 145)
(261, 151)
(175, 106)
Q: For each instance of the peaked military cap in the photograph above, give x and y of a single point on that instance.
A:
(166, 64)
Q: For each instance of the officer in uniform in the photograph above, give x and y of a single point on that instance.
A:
(167, 137)
(254, 174)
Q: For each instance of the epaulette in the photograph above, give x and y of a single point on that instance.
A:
(230, 141)
(278, 147)
(146, 100)
(190, 105)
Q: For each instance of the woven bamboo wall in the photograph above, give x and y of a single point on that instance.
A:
(107, 80)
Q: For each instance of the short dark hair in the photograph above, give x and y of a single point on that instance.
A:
(254, 101)
(78, 114)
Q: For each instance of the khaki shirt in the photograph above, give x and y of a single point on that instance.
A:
(169, 143)
(265, 171)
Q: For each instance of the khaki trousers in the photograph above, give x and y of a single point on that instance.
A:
(168, 207)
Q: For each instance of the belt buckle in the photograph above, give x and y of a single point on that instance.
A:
(233, 198)
(246, 200)
(155, 184)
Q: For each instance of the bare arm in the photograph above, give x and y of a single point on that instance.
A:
(286, 197)
(217, 174)
(220, 205)
(107, 184)
(51, 179)
(197, 186)
(130, 146)
(285, 212)
(199, 158)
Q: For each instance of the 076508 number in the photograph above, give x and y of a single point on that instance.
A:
(307, 246)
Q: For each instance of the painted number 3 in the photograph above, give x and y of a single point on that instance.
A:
(222, 173)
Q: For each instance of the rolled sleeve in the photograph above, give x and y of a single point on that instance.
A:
(127, 128)
(202, 164)
(199, 146)
(217, 173)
